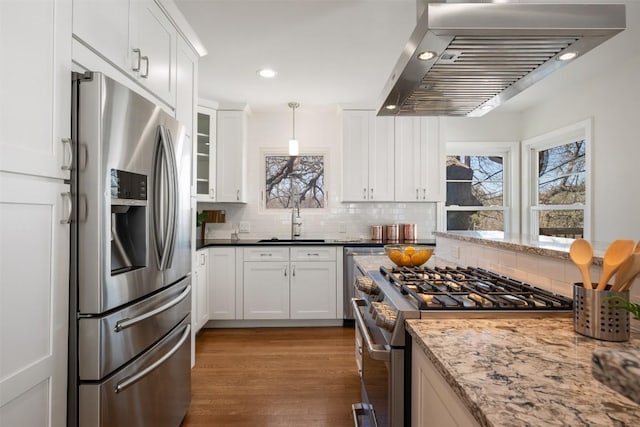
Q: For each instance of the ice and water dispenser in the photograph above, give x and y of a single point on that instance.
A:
(128, 221)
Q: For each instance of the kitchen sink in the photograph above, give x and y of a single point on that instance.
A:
(291, 242)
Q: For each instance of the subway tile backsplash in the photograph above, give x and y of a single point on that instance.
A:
(344, 221)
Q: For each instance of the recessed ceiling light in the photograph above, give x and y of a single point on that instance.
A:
(267, 73)
(391, 107)
(567, 56)
(426, 55)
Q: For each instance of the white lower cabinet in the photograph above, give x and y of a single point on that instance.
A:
(313, 290)
(222, 279)
(200, 291)
(290, 283)
(433, 402)
(266, 290)
(34, 298)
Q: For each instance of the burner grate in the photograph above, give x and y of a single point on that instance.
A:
(458, 288)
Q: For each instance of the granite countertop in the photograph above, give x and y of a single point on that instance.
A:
(327, 242)
(554, 247)
(524, 372)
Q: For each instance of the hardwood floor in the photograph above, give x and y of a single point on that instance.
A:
(274, 377)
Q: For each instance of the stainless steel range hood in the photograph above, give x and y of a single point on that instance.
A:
(485, 53)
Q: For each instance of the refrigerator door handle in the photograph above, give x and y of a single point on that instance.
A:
(126, 323)
(172, 167)
(164, 200)
(123, 385)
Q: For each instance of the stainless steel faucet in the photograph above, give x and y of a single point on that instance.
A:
(296, 220)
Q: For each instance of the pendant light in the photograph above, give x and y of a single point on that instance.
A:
(293, 142)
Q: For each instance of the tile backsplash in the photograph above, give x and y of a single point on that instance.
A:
(344, 221)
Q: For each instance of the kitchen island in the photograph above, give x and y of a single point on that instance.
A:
(522, 372)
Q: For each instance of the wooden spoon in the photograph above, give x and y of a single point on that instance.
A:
(628, 271)
(616, 253)
(581, 253)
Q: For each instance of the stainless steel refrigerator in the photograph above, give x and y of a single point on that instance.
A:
(130, 322)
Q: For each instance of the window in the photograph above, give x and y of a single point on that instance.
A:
(479, 184)
(292, 178)
(557, 183)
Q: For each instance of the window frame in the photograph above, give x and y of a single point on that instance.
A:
(582, 130)
(283, 152)
(510, 151)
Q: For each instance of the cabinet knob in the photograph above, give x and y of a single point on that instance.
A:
(364, 193)
(293, 270)
(417, 194)
(285, 272)
(238, 195)
(371, 193)
(424, 194)
(212, 193)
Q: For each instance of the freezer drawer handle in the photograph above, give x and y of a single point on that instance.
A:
(122, 385)
(359, 409)
(376, 352)
(126, 323)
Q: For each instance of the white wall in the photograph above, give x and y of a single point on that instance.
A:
(610, 94)
(319, 131)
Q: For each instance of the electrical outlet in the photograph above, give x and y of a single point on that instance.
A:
(245, 227)
(342, 227)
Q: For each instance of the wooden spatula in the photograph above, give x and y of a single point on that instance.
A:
(616, 253)
(581, 253)
(627, 271)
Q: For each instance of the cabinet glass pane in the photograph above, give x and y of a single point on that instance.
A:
(202, 153)
(203, 124)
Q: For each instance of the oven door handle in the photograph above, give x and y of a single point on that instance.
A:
(376, 351)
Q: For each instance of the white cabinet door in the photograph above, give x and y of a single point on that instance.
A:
(368, 153)
(205, 155)
(200, 310)
(230, 170)
(356, 133)
(433, 159)
(103, 25)
(152, 43)
(381, 160)
(313, 290)
(433, 401)
(266, 290)
(34, 296)
(186, 84)
(407, 160)
(419, 162)
(35, 87)
(222, 283)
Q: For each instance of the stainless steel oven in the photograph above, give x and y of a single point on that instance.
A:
(385, 298)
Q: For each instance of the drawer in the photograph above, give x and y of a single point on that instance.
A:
(266, 253)
(313, 253)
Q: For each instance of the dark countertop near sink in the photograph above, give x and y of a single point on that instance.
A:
(328, 242)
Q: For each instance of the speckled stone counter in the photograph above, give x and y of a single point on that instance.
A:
(524, 372)
(548, 246)
(618, 369)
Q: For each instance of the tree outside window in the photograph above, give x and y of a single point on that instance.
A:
(288, 178)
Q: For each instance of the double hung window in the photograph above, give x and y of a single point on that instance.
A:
(556, 185)
(479, 187)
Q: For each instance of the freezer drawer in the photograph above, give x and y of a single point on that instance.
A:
(108, 342)
(152, 391)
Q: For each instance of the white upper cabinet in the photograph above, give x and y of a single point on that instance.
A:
(230, 164)
(133, 35)
(104, 26)
(186, 77)
(368, 151)
(35, 87)
(419, 160)
(152, 43)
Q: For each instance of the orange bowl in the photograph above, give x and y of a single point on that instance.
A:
(408, 255)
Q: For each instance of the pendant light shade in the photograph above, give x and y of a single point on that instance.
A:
(294, 147)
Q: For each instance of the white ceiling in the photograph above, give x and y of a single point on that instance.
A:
(338, 51)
